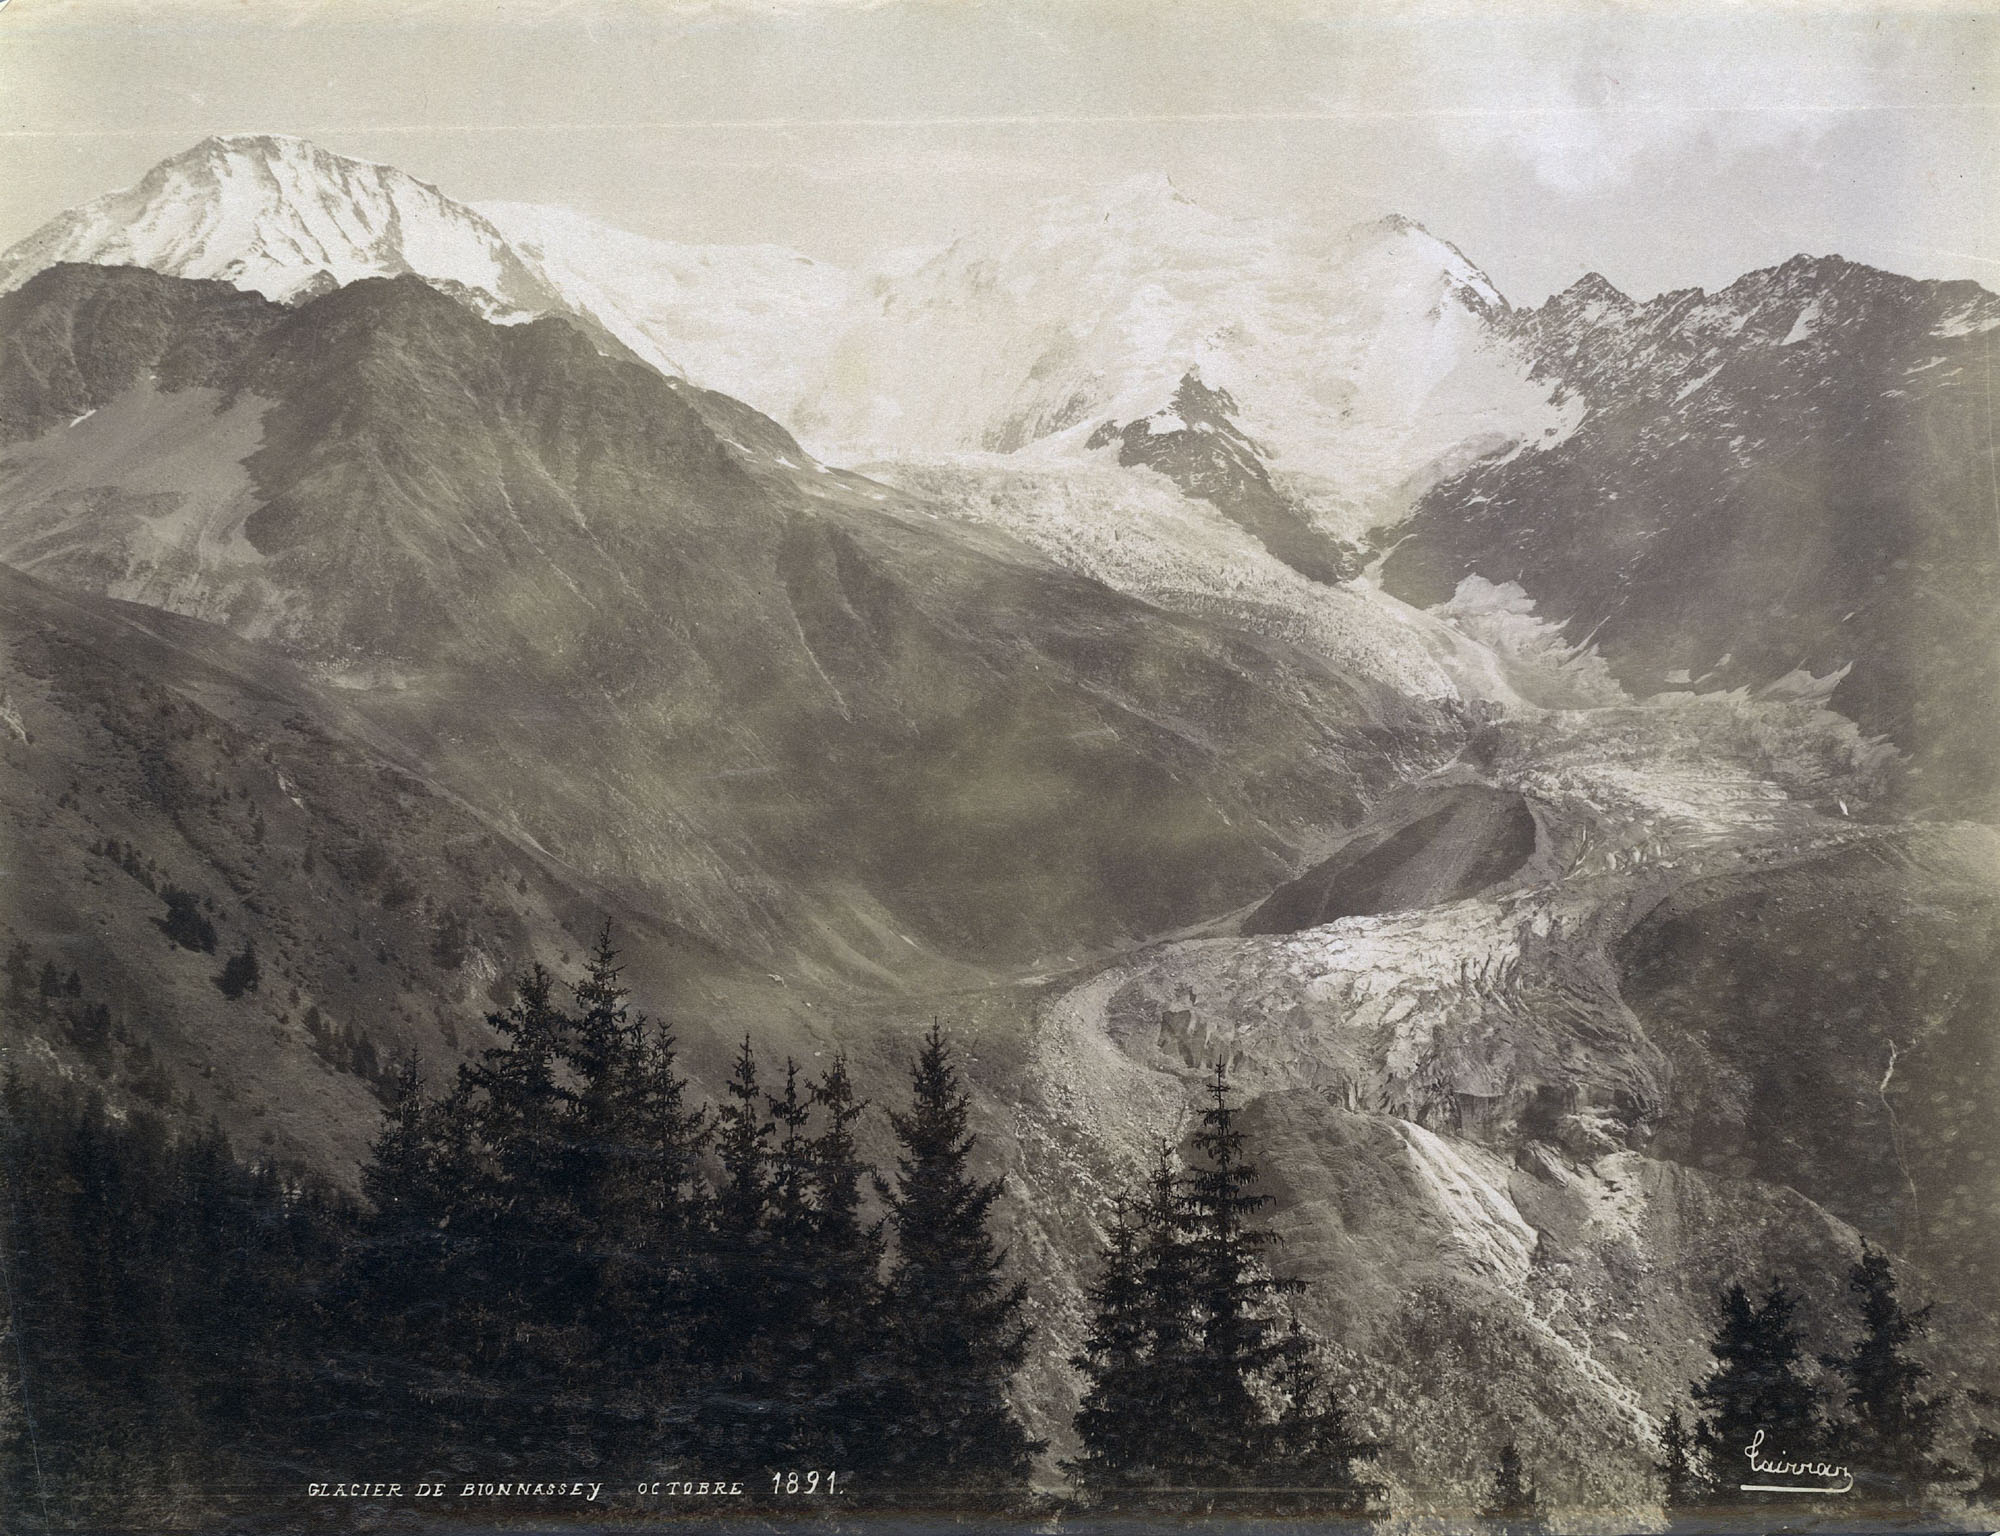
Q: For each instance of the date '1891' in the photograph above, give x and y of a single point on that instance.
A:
(804, 1482)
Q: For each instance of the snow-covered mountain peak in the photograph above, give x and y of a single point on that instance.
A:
(1593, 288)
(749, 320)
(283, 217)
(1417, 246)
(1357, 356)
(1146, 196)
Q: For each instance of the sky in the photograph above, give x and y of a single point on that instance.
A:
(1664, 145)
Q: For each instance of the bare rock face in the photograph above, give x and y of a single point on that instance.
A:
(1785, 478)
(1194, 441)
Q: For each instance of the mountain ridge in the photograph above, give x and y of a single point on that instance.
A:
(1791, 477)
(852, 361)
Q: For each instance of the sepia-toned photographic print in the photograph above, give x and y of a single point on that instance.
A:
(1078, 766)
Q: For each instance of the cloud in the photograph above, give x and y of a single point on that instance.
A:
(1583, 98)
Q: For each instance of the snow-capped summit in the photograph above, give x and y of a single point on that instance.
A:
(1356, 356)
(1359, 359)
(285, 218)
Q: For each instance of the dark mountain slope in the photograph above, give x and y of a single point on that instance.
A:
(1854, 1058)
(142, 752)
(1421, 847)
(780, 706)
(1795, 472)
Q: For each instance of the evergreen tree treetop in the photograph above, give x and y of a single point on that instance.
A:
(953, 1324)
(1196, 1380)
(836, 1168)
(1513, 1496)
(1760, 1383)
(1680, 1476)
(1236, 1293)
(399, 1179)
(1889, 1433)
(743, 1142)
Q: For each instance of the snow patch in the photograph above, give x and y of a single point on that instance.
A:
(1968, 321)
(1804, 326)
(1688, 389)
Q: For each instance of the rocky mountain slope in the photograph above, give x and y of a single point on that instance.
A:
(1521, 1133)
(805, 715)
(1791, 478)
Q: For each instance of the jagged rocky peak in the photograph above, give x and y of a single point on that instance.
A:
(1195, 442)
(1592, 291)
(283, 217)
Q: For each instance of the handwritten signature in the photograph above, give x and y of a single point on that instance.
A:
(1839, 1478)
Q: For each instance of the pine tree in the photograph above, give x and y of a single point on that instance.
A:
(787, 1276)
(1235, 1296)
(663, 1213)
(1680, 1478)
(1757, 1384)
(844, 1325)
(401, 1178)
(654, 1301)
(608, 1160)
(671, 1137)
(598, 1053)
(1195, 1381)
(522, 1268)
(1115, 1360)
(185, 922)
(736, 1303)
(1889, 1435)
(240, 972)
(407, 1277)
(1174, 1453)
(952, 1326)
(743, 1142)
(516, 1102)
(1513, 1499)
(1314, 1449)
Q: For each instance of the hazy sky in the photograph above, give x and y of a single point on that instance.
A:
(1661, 144)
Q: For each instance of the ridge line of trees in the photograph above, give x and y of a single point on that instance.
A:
(564, 1256)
